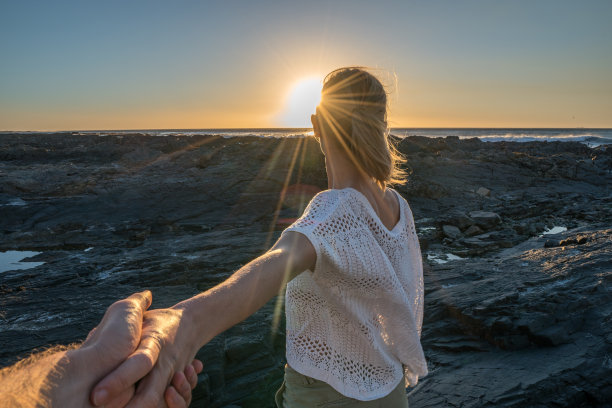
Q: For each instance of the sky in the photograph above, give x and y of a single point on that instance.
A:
(85, 65)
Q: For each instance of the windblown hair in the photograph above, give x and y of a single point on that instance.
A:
(354, 111)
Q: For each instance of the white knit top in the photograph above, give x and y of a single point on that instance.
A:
(355, 321)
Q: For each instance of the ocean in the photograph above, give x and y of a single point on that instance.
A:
(590, 137)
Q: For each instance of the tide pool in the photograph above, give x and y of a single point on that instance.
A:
(12, 260)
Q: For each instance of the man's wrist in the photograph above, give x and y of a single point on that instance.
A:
(71, 381)
(77, 372)
(30, 382)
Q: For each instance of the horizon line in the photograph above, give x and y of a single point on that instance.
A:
(298, 128)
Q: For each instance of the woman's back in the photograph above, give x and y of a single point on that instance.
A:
(354, 322)
(384, 202)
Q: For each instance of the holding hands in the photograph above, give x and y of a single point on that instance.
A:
(145, 358)
(128, 340)
(162, 362)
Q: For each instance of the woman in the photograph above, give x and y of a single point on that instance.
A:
(352, 266)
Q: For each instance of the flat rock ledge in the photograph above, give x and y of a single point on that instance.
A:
(515, 316)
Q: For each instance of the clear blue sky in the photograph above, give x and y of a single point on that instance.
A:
(201, 64)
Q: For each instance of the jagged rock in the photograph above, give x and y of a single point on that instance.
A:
(457, 218)
(528, 327)
(475, 242)
(115, 214)
(451, 231)
(485, 219)
(483, 191)
(577, 240)
(473, 230)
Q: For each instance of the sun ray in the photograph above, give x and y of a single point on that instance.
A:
(341, 136)
(281, 197)
(280, 298)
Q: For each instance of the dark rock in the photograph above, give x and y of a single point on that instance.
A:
(577, 240)
(483, 191)
(473, 230)
(523, 343)
(451, 231)
(568, 241)
(551, 243)
(485, 219)
(239, 349)
(114, 214)
(457, 218)
(475, 242)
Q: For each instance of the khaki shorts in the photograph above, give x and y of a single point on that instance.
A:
(300, 391)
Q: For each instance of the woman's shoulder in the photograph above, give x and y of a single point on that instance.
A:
(332, 199)
(321, 208)
(325, 201)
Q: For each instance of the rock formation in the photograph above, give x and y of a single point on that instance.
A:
(522, 320)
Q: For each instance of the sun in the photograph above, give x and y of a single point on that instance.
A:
(302, 99)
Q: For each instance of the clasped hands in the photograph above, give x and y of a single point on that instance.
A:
(151, 354)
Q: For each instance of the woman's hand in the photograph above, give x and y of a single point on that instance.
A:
(166, 347)
(178, 394)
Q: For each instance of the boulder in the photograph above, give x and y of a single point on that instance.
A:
(485, 219)
(473, 230)
(451, 231)
(458, 219)
(484, 192)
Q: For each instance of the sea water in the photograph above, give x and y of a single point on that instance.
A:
(590, 137)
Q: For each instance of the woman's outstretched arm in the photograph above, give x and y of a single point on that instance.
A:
(171, 337)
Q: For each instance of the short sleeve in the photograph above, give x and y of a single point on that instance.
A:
(315, 218)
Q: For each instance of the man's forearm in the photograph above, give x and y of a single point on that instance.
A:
(29, 382)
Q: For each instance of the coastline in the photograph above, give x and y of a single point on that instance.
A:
(114, 214)
(592, 137)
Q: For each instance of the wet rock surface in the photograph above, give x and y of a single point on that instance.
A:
(524, 320)
(528, 326)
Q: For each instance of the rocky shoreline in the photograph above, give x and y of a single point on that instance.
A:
(514, 317)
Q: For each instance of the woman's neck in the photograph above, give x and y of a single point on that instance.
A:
(342, 173)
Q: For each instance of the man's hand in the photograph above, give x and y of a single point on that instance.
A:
(111, 342)
(64, 376)
(118, 334)
(165, 350)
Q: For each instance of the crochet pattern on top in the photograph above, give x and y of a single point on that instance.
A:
(355, 321)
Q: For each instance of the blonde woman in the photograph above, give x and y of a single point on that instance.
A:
(352, 270)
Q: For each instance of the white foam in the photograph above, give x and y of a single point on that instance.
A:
(423, 229)
(554, 230)
(443, 258)
(453, 257)
(38, 321)
(16, 202)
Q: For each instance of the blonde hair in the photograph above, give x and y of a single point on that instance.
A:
(354, 111)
